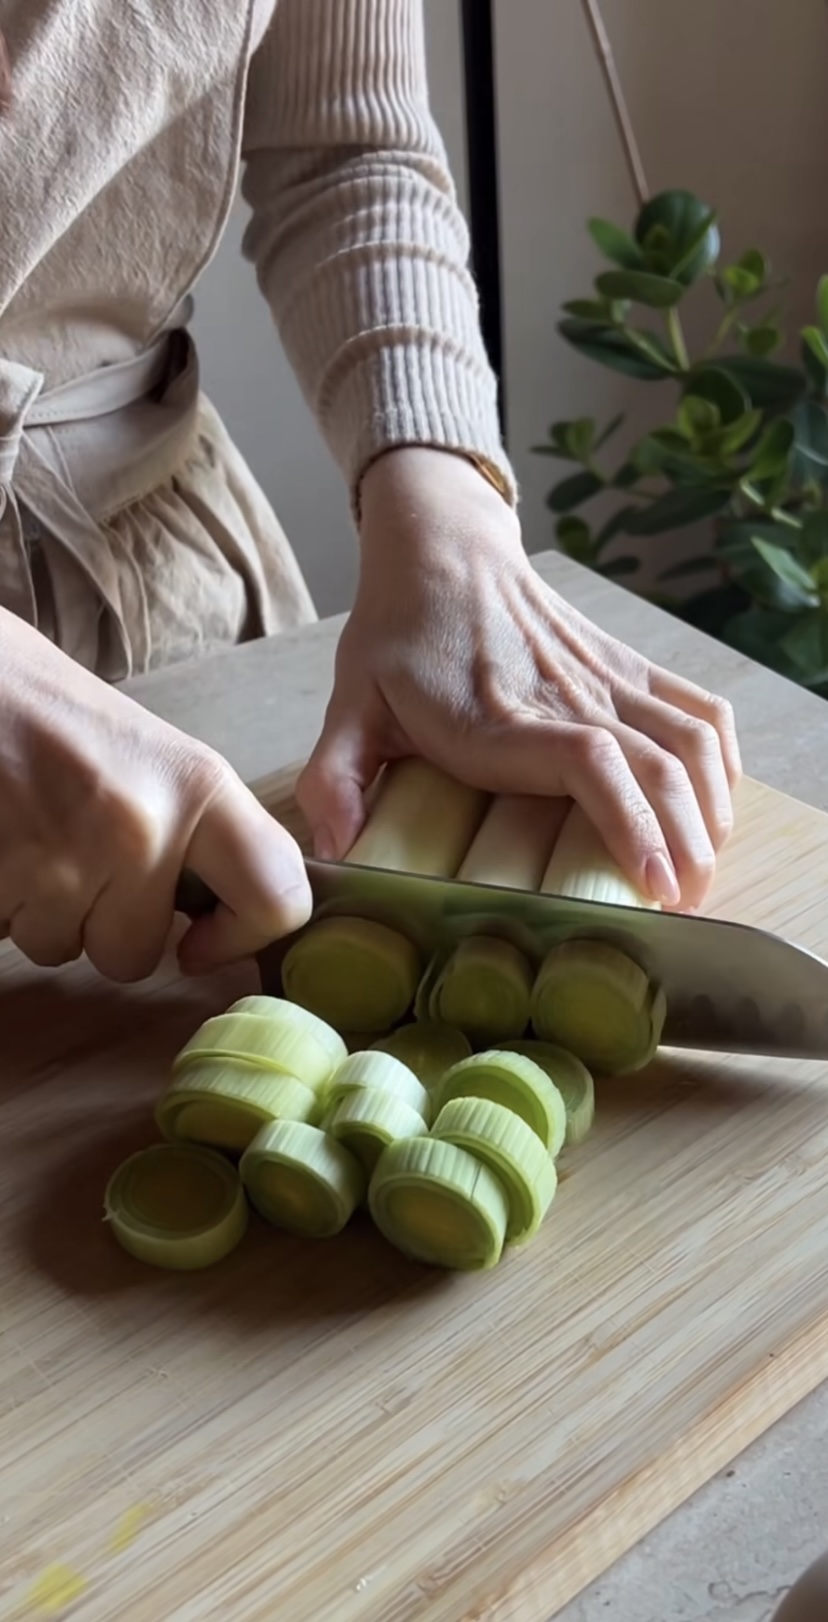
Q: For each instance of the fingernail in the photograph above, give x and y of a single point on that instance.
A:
(323, 845)
(661, 880)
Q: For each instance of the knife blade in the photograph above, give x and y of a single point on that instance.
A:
(730, 987)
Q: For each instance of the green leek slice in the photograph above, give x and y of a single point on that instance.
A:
(221, 1103)
(439, 1205)
(300, 1179)
(176, 1205)
(484, 989)
(427, 1047)
(353, 973)
(511, 1150)
(366, 1120)
(572, 1079)
(381, 1072)
(517, 1083)
(290, 1040)
(595, 1001)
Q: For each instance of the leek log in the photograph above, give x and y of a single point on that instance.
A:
(177, 1206)
(421, 821)
(439, 1205)
(514, 842)
(581, 867)
(504, 1143)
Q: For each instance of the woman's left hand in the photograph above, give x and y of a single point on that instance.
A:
(458, 652)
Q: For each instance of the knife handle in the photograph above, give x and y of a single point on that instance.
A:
(193, 897)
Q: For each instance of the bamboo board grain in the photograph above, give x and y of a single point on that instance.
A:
(324, 1433)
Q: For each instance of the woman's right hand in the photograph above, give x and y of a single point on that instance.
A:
(101, 807)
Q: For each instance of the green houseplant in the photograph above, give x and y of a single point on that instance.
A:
(741, 440)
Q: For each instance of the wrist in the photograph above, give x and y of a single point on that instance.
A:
(413, 490)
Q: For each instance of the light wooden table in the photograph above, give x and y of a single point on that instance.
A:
(732, 1550)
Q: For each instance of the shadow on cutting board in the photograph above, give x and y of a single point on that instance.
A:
(271, 1279)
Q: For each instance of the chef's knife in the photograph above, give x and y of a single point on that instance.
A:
(729, 987)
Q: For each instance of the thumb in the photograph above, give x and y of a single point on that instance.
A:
(331, 789)
(256, 869)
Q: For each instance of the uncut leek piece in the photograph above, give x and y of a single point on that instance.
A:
(287, 1039)
(439, 1205)
(589, 997)
(504, 1143)
(570, 1076)
(300, 1179)
(514, 843)
(361, 974)
(176, 1205)
(515, 1082)
(223, 1104)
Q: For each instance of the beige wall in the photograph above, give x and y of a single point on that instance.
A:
(729, 98)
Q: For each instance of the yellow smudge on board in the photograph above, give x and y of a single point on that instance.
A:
(55, 1588)
(129, 1526)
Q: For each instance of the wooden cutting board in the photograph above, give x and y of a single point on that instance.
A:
(326, 1433)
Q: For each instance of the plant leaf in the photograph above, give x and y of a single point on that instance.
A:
(760, 341)
(822, 303)
(573, 492)
(678, 508)
(772, 452)
(657, 292)
(697, 417)
(575, 538)
(689, 566)
(769, 386)
(717, 384)
(615, 244)
(806, 643)
(669, 226)
(791, 573)
(815, 372)
(608, 432)
(817, 343)
(618, 351)
(616, 525)
(588, 309)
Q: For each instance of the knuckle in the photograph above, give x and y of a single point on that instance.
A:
(699, 739)
(595, 749)
(721, 712)
(664, 773)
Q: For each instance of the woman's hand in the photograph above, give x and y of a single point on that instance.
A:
(102, 805)
(457, 651)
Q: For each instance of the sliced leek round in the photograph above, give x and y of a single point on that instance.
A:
(176, 1205)
(289, 1039)
(382, 1073)
(511, 1150)
(427, 1047)
(222, 1103)
(484, 989)
(367, 1120)
(300, 1179)
(571, 1078)
(439, 1205)
(517, 1083)
(355, 974)
(595, 1001)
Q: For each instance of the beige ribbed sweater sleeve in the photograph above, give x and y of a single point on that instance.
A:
(357, 237)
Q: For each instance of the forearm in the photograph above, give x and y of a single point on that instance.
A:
(356, 235)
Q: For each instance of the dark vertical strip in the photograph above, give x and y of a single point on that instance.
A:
(482, 158)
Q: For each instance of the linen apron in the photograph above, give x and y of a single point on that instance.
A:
(132, 532)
